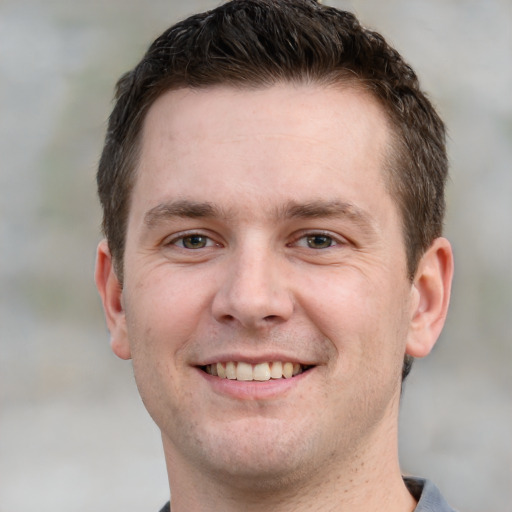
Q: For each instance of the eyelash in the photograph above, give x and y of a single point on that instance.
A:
(179, 241)
(308, 236)
(187, 236)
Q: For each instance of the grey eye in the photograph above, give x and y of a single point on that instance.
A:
(194, 241)
(319, 241)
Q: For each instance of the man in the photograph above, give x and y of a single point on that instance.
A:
(272, 184)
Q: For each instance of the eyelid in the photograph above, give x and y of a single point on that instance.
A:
(336, 238)
(172, 240)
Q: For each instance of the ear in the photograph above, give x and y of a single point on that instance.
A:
(431, 290)
(111, 295)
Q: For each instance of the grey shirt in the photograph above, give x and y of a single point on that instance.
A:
(424, 491)
(427, 495)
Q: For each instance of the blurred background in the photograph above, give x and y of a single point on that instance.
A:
(73, 432)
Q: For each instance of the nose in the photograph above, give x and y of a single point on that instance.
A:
(253, 292)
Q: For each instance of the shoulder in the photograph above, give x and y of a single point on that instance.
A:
(428, 496)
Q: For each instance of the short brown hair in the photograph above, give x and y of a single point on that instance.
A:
(258, 43)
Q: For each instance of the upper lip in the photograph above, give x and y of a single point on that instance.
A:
(256, 359)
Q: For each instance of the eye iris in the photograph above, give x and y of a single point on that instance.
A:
(194, 242)
(319, 241)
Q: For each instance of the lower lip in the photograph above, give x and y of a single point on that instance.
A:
(253, 390)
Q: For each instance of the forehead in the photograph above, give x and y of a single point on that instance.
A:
(286, 140)
(314, 108)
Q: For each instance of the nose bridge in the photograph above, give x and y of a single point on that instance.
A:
(254, 290)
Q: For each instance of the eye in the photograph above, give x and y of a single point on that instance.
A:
(319, 241)
(316, 241)
(194, 241)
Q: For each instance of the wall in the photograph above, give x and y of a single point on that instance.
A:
(74, 434)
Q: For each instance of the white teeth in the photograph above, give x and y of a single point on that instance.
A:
(260, 372)
(231, 370)
(243, 371)
(277, 370)
(287, 370)
(221, 371)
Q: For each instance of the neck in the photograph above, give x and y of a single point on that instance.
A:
(369, 481)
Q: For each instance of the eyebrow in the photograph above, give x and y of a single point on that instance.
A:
(316, 209)
(181, 208)
(321, 208)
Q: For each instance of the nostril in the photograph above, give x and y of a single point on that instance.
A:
(250, 308)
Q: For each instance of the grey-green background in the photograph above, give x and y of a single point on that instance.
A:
(73, 433)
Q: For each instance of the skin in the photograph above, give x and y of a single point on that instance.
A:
(296, 254)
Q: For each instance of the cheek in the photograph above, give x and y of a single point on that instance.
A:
(162, 315)
(340, 303)
(158, 333)
(363, 316)
(165, 308)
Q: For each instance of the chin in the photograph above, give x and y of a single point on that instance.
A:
(264, 474)
(259, 454)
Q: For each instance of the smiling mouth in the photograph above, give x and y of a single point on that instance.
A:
(255, 372)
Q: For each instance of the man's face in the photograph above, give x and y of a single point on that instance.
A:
(262, 240)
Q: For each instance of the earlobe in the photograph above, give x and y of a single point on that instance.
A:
(110, 291)
(431, 288)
